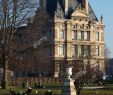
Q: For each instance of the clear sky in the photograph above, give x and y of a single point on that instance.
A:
(105, 7)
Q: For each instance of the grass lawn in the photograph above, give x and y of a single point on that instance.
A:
(21, 90)
(100, 91)
(106, 85)
(109, 85)
(105, 92)
(59, 91)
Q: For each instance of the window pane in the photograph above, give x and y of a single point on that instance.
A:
(97, 50)
(74, 50)
(88, 35)
(74, 35)
(79, 50)
(82, 35)
(85, 36)
(56, 33)
(82, 50)
(79, 35)
(62, 49)
(87, 50)
(62, 34)
(97, 36)
(56, 49)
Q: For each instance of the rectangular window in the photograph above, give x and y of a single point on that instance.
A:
(97, 36)
(87, 36)
(62, 49)
(97, 51)
(56, 33)
(62, 34)
(82, 50)
(102, 51)
(82, 35)
(87, 50)
(79, 50)
(74, 50)
(74, 35)
(79, 35)
(56, 49)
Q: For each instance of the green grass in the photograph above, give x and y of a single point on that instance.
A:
(99, 91)
(107, 92)
(109, 85)
(41, 91)
(59, 91)
(106, 85)
(7, 91)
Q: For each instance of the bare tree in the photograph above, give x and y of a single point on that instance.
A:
(90, 60)
(13, 14)
(107, 53)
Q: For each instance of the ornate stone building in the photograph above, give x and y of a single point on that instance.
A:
(75, 34)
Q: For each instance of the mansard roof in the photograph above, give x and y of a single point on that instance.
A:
(92, 15)
(59, 12)
(56, 8)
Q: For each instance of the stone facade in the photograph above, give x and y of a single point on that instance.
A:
(74, 33)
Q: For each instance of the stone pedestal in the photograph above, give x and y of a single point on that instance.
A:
(68, 87)
(56, 75)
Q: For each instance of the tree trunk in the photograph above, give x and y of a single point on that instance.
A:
(4, 79)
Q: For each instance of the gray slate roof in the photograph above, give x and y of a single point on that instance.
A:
(56, 8)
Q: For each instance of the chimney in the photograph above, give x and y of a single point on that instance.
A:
(42, 4)
(86, 6)
(85, 2)
(66, 7)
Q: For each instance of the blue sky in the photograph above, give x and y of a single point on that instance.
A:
(105, 7)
